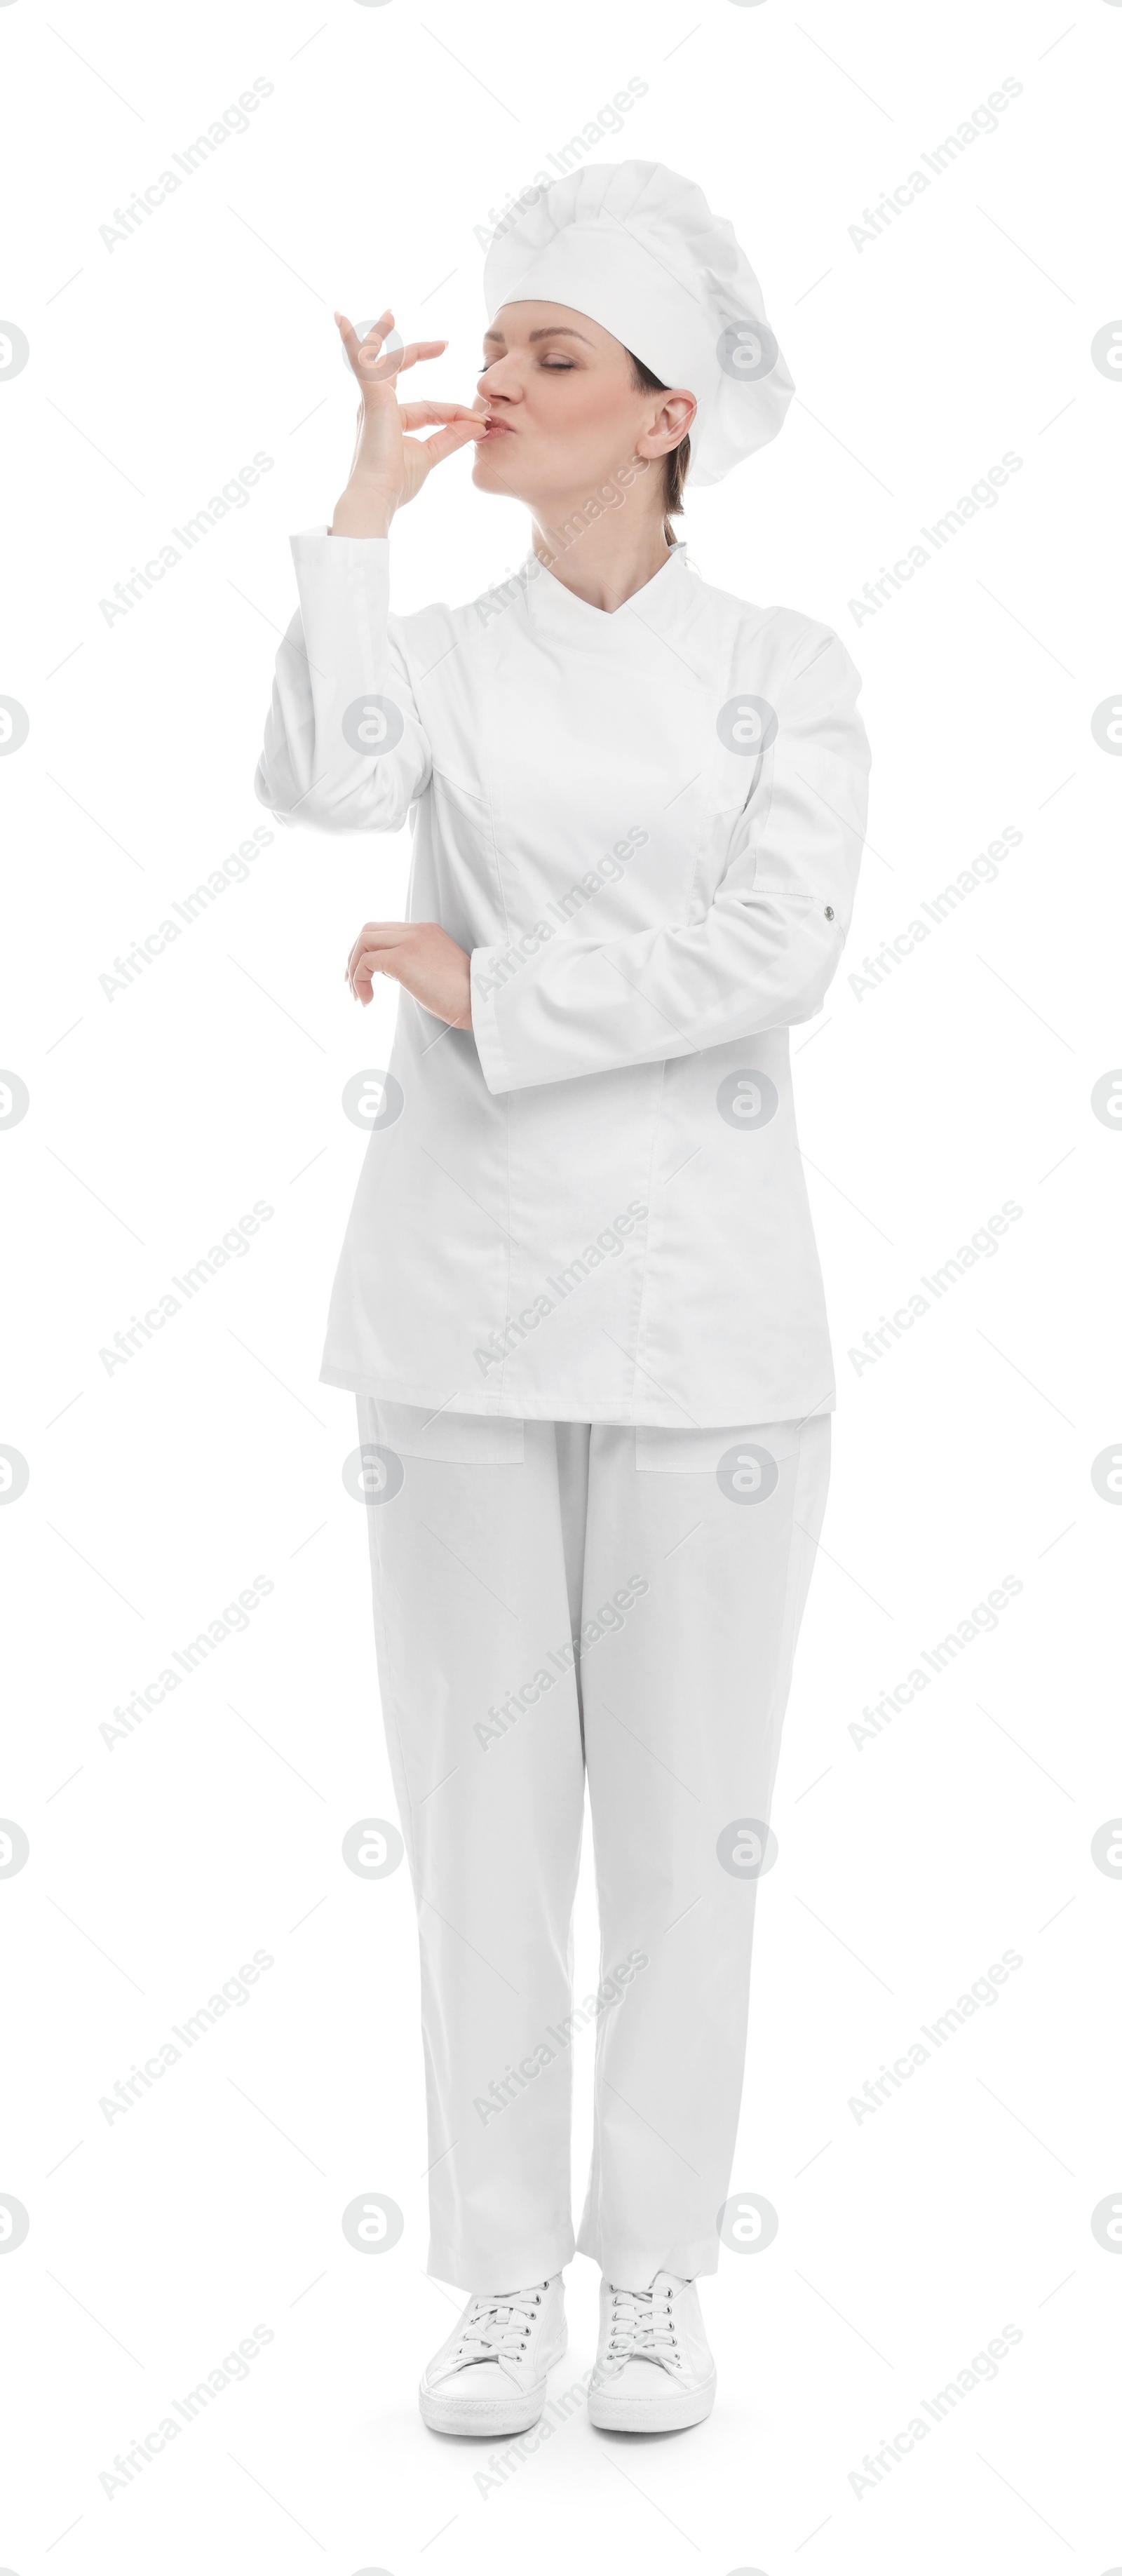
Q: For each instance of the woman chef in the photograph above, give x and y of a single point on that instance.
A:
(579, 1299)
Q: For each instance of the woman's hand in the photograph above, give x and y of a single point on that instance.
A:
(420, 955)
(388, 466)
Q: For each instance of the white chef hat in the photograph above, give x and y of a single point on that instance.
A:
(635, 246)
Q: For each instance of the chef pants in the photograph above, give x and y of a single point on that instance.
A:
(555, 1600)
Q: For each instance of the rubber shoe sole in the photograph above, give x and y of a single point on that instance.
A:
(672, 2411)
(445, 2412)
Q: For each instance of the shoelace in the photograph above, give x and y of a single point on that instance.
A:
(498, 2329)
(642, 2330)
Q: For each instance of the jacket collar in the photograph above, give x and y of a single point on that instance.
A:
(561, 611)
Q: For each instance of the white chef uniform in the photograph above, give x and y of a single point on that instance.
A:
(550, 1596)
(579, 1299)
(645, 825)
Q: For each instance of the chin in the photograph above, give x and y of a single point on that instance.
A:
(491, 468)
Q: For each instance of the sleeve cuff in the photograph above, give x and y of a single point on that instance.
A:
(485, 1027)
(310, 543)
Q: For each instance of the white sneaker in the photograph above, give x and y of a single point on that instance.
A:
(490, 2376)
(654, 2371)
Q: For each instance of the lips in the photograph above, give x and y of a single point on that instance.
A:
(498, 429)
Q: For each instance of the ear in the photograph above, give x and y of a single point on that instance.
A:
(672, 422)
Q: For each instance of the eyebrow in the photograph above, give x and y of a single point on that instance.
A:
(554, 331)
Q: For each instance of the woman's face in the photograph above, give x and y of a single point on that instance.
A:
(565, 413)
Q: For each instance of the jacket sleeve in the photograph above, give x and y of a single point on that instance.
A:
(760, 958)
(344, 744)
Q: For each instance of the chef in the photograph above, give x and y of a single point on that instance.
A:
(579, 1300)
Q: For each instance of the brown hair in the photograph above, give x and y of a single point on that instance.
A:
(676, 465)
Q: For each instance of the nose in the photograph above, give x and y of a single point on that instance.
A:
(490, 380)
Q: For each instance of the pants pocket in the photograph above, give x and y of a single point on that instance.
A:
(709, 1452)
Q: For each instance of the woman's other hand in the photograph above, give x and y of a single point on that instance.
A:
(389, 465)
(420, 955)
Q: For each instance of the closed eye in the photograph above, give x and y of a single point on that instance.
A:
(556, 366)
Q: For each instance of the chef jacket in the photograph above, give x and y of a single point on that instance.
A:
(645, 827)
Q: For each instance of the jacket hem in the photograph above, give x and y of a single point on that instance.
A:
(544, 1404)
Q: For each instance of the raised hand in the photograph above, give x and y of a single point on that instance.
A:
(389, 464)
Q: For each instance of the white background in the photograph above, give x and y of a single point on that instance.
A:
(909, 1861)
